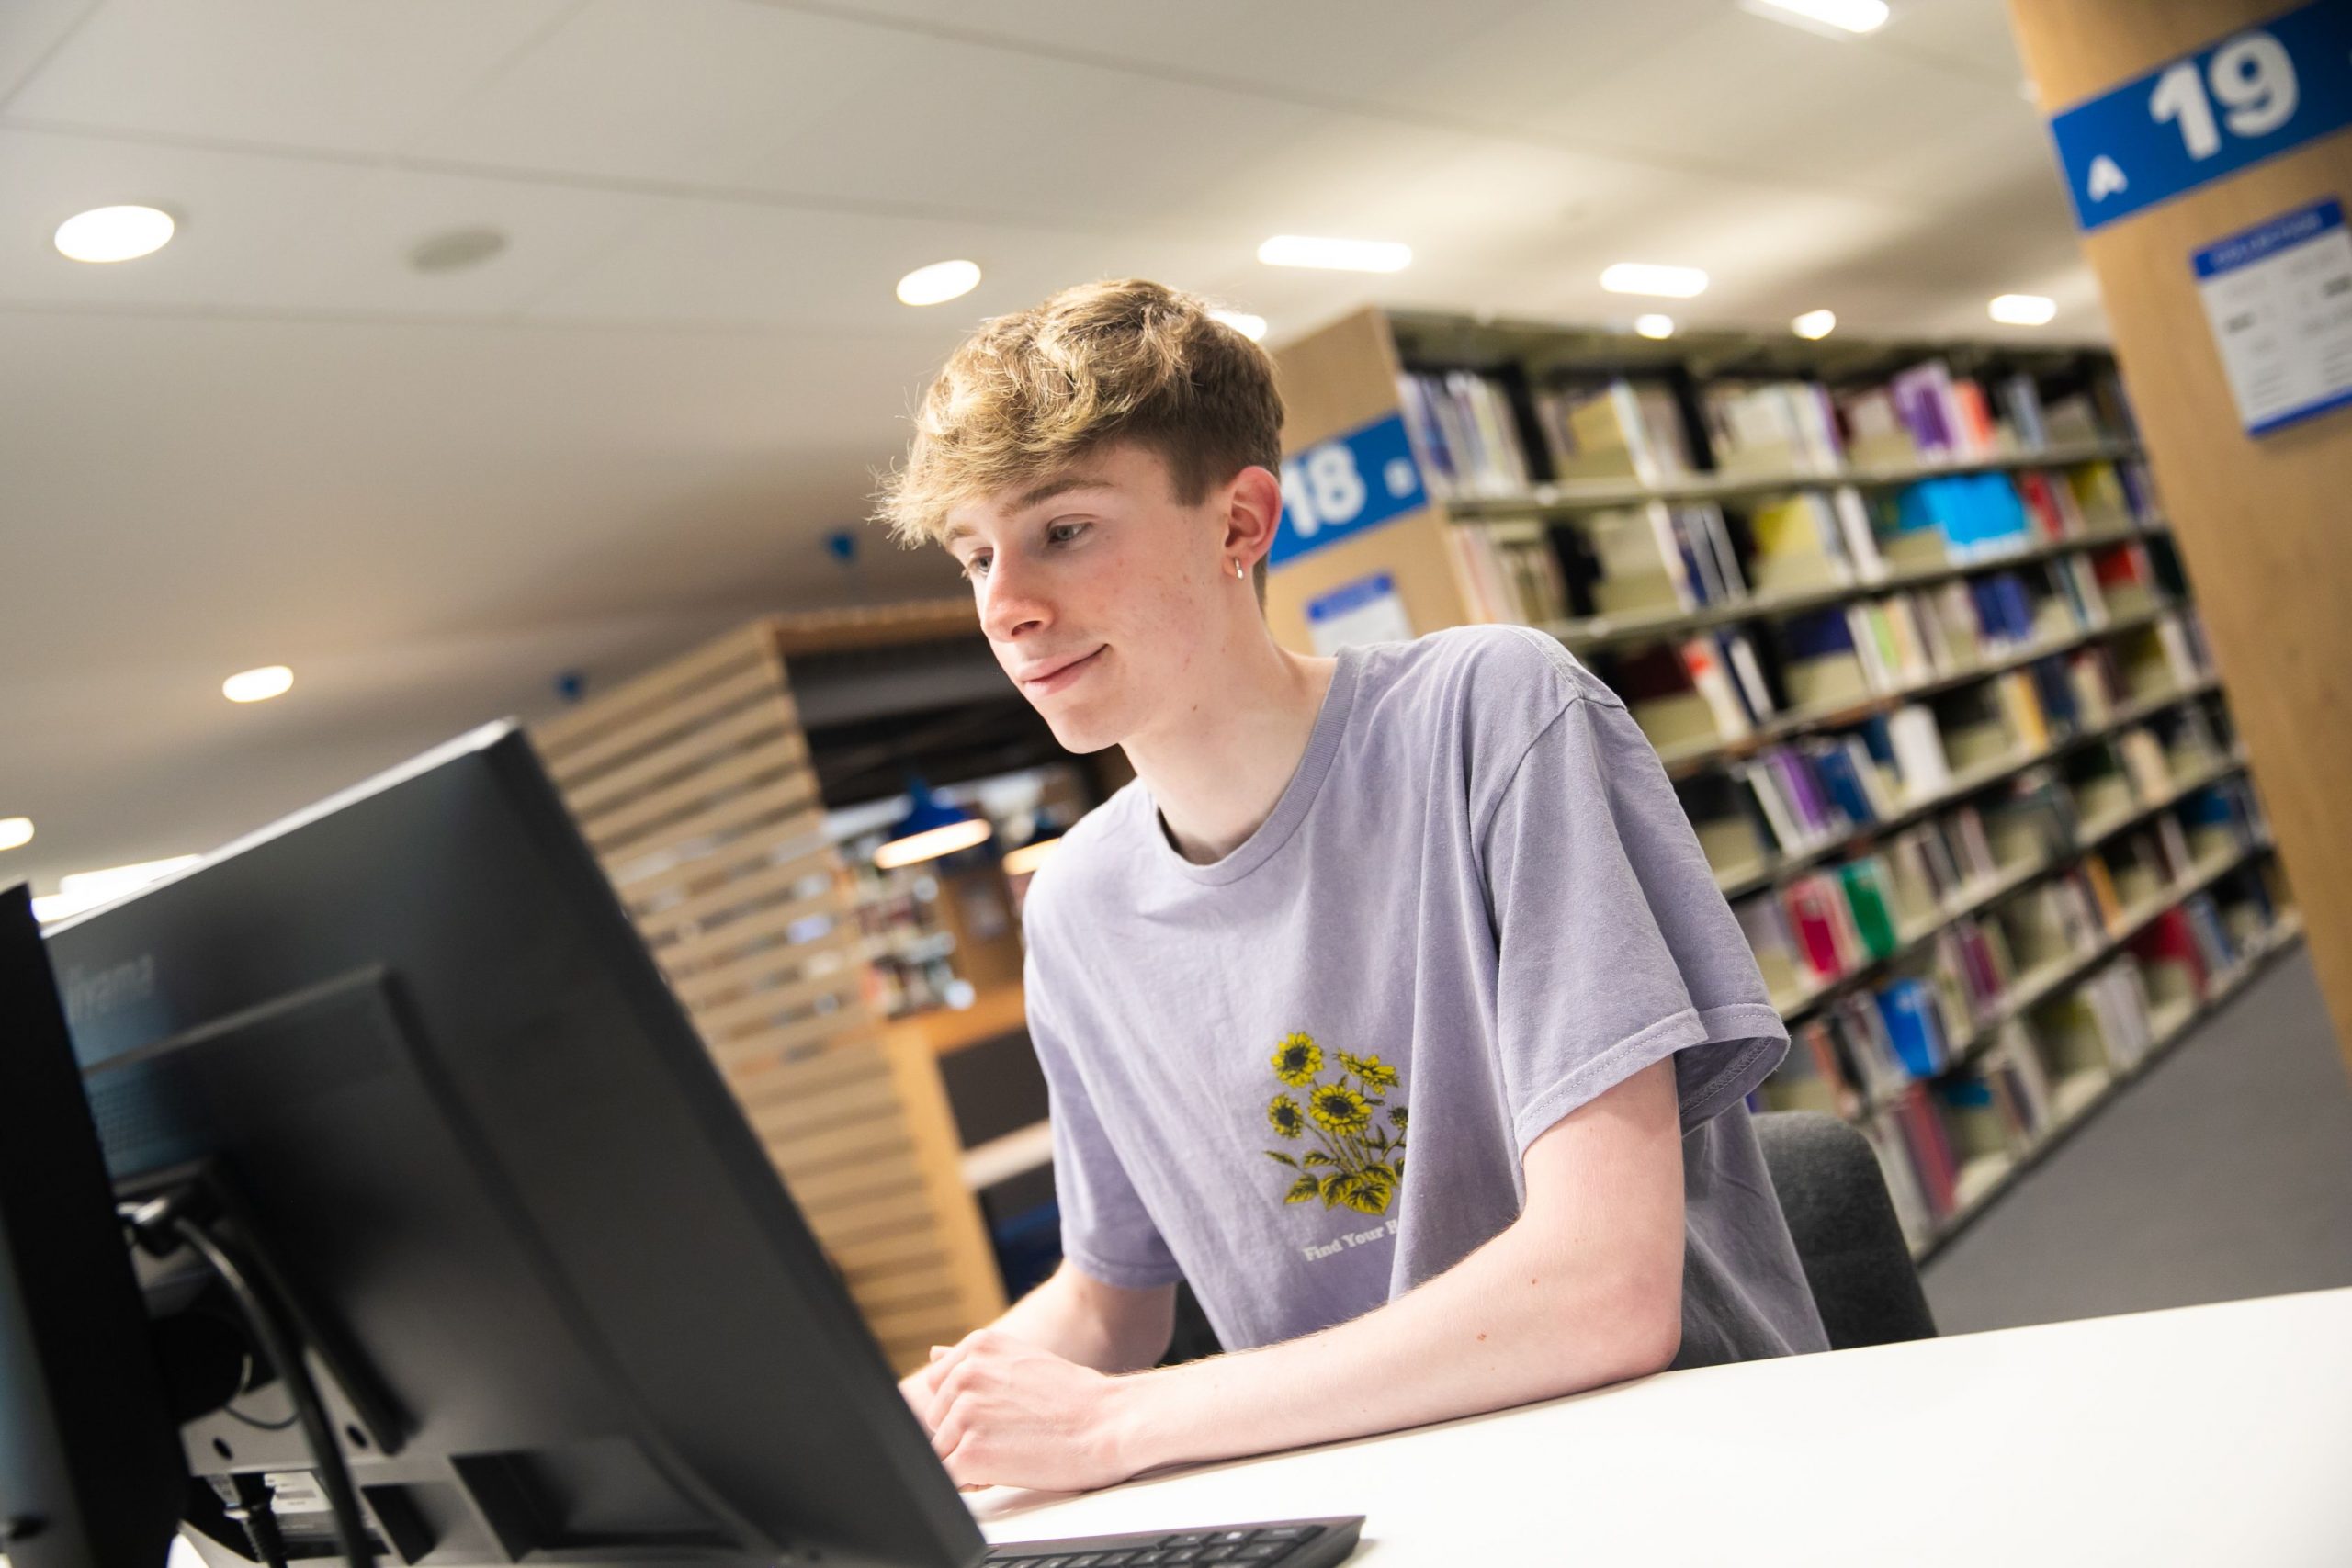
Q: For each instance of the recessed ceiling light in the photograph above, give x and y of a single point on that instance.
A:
(939, 282)
(1248, 326)
(1654, 326)
(258, 685)
(1814, 324)
(1665, 282)
(1845, 15)
(1335, 255)
(2022, 309)
(454, 250)
(115, 233)
(16, 833)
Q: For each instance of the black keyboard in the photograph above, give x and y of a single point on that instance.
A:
(1281, 1543)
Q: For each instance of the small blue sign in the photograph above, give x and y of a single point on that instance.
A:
(2265, 240)
(2252, 96)
(1337, 489)
(1354, 596)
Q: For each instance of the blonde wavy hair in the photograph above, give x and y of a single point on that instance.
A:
(1031, 393)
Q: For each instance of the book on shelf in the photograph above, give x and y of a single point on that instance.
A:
(2099, 495)
(1918, 747)
(1640, 568)
(2127, 581)
(1464, 433)
(1728, 823)
(1613, 430)
(1764, 921)
(1820, 666)
(2048, 505)
(2020, 401)
(1712, 678)
(1771, 427)
(1507, 577)
(1657, 690)
(1800, 545)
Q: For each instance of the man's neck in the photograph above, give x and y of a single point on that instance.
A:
(1217, 769)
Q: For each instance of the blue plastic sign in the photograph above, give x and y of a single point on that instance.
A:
(1339, 488)
(2279, 298)
(2252, 96)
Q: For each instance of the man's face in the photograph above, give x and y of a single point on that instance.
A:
(1097, 592)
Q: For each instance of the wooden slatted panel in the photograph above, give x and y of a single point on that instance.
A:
(692, 784)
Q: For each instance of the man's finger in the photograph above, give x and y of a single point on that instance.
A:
(947, 1434)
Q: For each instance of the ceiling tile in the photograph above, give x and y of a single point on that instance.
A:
(29, 30)
(357, 78)
(683, 91)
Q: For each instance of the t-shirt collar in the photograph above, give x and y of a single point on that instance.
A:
(1290, 810)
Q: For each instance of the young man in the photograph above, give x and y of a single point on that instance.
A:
(1393, 1005)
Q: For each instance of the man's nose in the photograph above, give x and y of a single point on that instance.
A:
(1011, 602)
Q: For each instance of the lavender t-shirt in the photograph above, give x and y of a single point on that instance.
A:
(1301, 1077)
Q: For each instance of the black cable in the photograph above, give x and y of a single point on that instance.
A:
(335, 1475)
(244, 1381)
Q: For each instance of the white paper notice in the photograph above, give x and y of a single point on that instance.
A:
(2280, 298)
(1366, 610)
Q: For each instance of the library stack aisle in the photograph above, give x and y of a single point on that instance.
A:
(1906, 627)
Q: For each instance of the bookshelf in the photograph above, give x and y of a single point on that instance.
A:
(1906, 626)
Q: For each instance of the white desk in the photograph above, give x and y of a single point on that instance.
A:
(2212, 1435)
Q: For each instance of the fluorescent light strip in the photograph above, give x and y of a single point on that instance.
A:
(1335, 255)
(2022, 309)
(1845, 15)
(932, 843)
(1661, 282)
(1248, 326)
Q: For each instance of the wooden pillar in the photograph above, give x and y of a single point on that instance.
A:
(1334, 381)
(2264, 523)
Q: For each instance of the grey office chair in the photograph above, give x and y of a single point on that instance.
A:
(1848, 1238)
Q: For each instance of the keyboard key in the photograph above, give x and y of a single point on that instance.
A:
(1261, 1552)
(1195, 1538)
(1229, 1538)
(1289, 1532)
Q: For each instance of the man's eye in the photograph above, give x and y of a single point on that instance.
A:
(976, 568)
(1064, 533)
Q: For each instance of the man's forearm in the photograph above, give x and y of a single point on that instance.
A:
(1515, 1321)
(1058, 1316)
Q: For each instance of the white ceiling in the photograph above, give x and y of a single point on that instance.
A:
(275, 442)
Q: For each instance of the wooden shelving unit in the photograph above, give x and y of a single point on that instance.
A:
(694, 784)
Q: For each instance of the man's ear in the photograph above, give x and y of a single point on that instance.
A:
(1253, 509)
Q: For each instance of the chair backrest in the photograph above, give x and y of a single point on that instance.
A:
(1848, 1238)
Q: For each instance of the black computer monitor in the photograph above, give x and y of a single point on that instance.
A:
(406, 1054)
(90, 1468)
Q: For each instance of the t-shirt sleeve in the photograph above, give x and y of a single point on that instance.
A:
(1107, 1233)
(1616, 947)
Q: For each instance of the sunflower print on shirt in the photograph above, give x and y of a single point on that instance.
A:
(1356, 1162)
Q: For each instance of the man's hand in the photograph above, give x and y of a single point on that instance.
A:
(1002, 1412)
